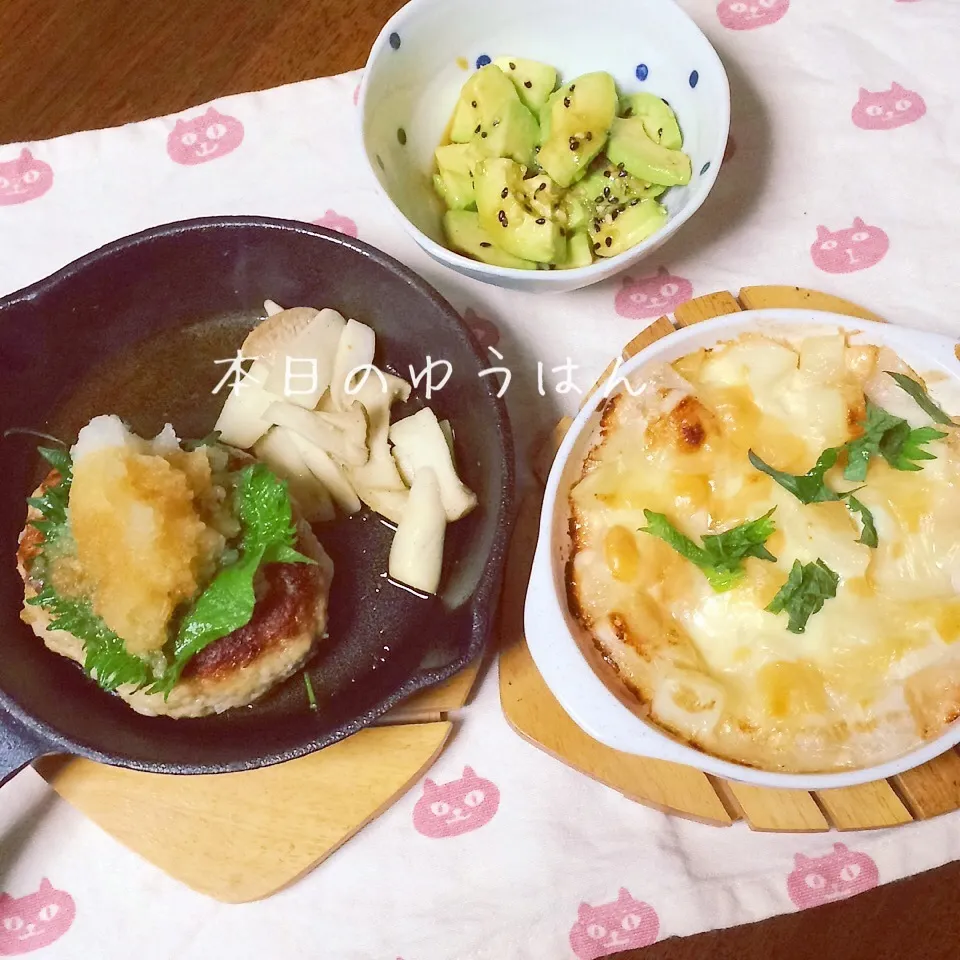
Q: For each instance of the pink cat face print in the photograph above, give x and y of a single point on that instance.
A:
(846, 251)
(624, 924)
(751, 14)
(207, 137)
(34, 921)
(652, 296)
(451, 809)
(841, 874)
(335, 221)
(888, 109)
(23, 179)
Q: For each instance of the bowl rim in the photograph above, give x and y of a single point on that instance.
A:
(570, 277)
(553, 646)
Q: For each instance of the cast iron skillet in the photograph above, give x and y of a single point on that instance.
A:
(133, 329)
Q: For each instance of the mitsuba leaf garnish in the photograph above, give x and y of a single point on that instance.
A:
(868, 535)
(809, 487)
(722, 554)
(891, 438)
(268, 536)
(804, 593)
(859, 451)
(923, 399)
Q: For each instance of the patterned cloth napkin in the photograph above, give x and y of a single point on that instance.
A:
(842, 173)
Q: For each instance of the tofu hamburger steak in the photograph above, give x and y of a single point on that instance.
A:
(180, 576)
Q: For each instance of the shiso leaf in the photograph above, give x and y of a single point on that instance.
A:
(268, 535)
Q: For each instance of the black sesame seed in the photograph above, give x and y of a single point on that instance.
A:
(503, 193)
(598, 199)
(633, 203)
(473, 103)
(607, 173)
(476, 129)
(660, 133)
(622, 173)
(609, 241)
(512, 65)
(542, 186)
(566, 101)
(496, 123)
(606, 192)
(573, 87)
(541, 220)
(483, 243)
(536, 149)
(596, 246)
(596, 226)
(588, 136)
(527, 84)
(574, 143)
(402, 136)
(614, 215)
(483, 136)
(502, 217)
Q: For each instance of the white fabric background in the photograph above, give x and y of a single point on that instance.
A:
(511, 888)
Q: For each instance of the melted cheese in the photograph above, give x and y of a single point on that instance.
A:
(865, 681)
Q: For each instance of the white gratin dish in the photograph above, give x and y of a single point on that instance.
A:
(551, 630)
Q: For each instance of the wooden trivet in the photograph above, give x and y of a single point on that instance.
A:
(238, 837)
(535, 714)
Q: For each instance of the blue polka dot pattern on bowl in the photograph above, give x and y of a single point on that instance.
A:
(694, 79)
(482, 60)
(704, 168)
(395, 40)
(642, 72)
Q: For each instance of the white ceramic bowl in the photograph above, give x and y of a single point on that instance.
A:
(552, 632)
(413, 78)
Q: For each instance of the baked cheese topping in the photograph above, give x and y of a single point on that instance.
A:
(877, 669)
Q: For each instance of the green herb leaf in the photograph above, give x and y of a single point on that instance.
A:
(263, 506)
(806, 589)
(105, 658)
(266, 518)
(722, 554)
(311, 696)
(902, 447)
(810, 487)
(210, 440)
(868, 536)
(923, 399)
(58, 459)
(52, 503)
(867, 445)
(891, 438)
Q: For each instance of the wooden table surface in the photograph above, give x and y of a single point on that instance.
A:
(67, 65)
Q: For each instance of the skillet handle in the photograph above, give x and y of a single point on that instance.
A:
(18, 747)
